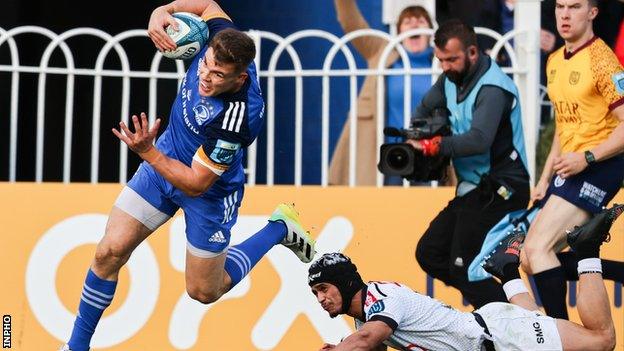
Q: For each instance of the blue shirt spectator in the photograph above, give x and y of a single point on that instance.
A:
(395, 88)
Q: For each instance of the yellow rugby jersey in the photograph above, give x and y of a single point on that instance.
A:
(584, 87)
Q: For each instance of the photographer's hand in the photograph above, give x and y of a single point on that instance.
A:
(429, 147)
(415, 144)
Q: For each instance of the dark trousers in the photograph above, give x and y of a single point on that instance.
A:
(456, 235)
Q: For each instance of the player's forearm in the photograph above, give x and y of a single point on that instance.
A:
(175, 172)
(354, 345)
(548, 170)
(614, 145)
(555, 151)
(359, 341)
(197, 7)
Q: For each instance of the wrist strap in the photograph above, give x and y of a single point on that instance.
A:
(589, 265)
(514, 287)
(590, 272)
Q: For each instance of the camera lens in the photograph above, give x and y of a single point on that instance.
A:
(398, 158)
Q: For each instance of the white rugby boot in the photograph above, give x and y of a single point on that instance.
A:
(297, 238)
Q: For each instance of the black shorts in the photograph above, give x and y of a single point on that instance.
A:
(593, 188)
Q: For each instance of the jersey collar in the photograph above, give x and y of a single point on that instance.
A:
(568, 55)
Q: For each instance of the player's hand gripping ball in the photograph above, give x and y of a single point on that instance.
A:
(190, 38)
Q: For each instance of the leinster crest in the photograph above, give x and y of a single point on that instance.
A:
(202, 113)
(574, 77)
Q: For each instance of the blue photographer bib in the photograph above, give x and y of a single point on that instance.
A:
(470, 168)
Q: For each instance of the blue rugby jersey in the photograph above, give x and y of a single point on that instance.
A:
(221, 126)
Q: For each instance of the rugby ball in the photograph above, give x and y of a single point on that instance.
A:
(190, 37)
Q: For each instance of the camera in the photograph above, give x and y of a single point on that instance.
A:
(403, 160)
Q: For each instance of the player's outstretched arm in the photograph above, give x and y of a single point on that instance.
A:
(369, 337)
(161, 18)
(193, 180)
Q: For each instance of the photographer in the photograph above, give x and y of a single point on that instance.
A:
(487, 151)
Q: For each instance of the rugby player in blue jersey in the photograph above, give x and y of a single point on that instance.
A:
(195, 165)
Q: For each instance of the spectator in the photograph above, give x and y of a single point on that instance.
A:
(548, 40)
(420, 55)
(507, 15)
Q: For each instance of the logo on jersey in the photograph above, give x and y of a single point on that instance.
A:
(370, 299)
(551, 76)
(224, 152)
(618, 80)
(203, 113)
(559, 181)
(574, 77)
(376, 308)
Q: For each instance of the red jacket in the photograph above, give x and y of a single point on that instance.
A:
(619, 44)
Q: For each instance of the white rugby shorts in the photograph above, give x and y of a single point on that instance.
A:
(515, 328)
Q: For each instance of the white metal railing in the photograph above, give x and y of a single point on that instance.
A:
(529, 89)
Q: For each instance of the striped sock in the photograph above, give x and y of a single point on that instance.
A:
(97, 294)
(243, 257)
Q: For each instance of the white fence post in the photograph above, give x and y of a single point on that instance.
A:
(527, 19)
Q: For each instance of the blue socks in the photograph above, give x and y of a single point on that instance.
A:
(97, 294)
(243, 257)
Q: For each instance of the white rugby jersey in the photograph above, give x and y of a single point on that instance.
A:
(418, 321)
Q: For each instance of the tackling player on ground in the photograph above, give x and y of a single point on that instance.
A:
(195, 165)
(392, 315)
